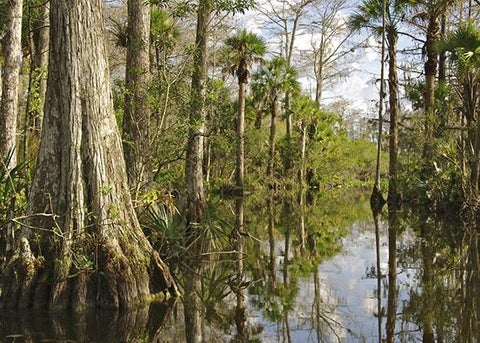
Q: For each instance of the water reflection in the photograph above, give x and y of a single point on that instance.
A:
(393, 226)
(142, 324)
(279, 268)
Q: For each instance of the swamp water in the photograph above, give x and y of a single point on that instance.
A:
(311, 270)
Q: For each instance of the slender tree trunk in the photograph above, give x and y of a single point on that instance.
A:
(318, 69)
(10, 83)
(83, 246)
(195, 193)
(194, 157)
(376, 199)
(38, 79)
(394, 110)
(242, 91)
(431, 66)
(273, 119)
(442, 58)
(303, 152)
(137, 110)
(288, 58)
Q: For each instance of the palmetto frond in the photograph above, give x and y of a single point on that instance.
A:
(274, 78)
(369, 14)
(464, 45)
(241, 51)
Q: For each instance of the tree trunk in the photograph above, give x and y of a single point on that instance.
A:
(38, 79)
(10, 83)
(137, 110)
(303, 152)
(273, 118)
(393, 132)
(83, 246)
(431, 66)
(195, 193)
(242, 91)
(289, 45)
(442, 57)
(318, 70)
(194, 155)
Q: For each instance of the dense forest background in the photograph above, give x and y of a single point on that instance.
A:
(217, 98)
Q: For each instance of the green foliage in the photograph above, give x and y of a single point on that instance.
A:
(13, 195)
(184, 8)
(441, 192)
(274, 79)
(369, 14)
(256, 152)
(240, 51)
(163, 31)
(221, 128)
(464, 46)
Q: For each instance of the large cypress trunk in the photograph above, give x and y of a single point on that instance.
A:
(83, 246)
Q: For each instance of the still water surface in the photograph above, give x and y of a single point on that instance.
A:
(309, 277)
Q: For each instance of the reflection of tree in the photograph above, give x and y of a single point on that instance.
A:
(435, 303)
(427, 282)
(323, 321)
(376, 218)
(132, 325)
(392, 275)
(304, 235)
(238, 288)
(470, 315)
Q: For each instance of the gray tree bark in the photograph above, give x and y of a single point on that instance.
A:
(195, 192)
(10, 83)
(137, 110)
(37, 87)
(83, 246)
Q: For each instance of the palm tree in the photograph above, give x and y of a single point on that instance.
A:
(370, 15)
(431, 12)
(464, 53)
(306, 113)
(243, 49)
(270, 83)
(164, 34)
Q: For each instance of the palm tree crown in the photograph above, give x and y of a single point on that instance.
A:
(243, 49)
(275, 78)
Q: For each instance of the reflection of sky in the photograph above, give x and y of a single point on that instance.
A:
(348, 296)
